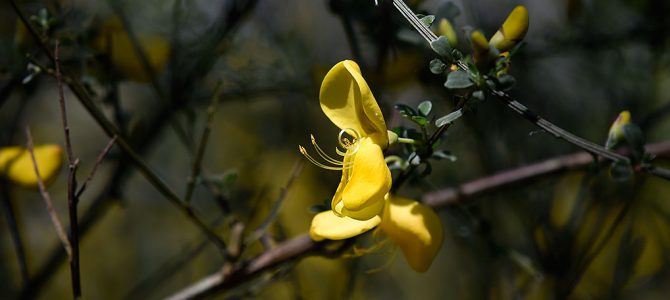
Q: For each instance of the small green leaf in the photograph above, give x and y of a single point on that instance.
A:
(414, 159)
(427, 20)
(442, 47)
(458, 80)
(405, 110)
(420, 120)
(506, 82)
(479, 95)
(437, 66)
(448, 118)
(425, 107)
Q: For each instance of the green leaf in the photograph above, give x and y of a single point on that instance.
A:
(442, 47)
(427, 20)
(425, 107)
(458, 80)
(414, 159)
(405, 110)
(420, 120)
(448, 118)
(479, 95)
(437, 66)
(506, 82)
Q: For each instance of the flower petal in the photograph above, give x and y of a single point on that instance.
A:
(17, 165)
(327, 225)
(348, 102)
(415, 228)
(370, 179)
(512, 31)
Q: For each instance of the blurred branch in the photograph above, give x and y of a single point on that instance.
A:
(302, 246)
(98, 161)
(80, 92)
(47, 198)
(14, 232)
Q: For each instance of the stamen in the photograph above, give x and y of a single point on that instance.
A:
(332, 163)
(315, 162)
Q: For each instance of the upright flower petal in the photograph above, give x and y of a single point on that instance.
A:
(415, 228)
(362, 196)
(17, 165)
(348, 102)
(328, 225)
(512, 31)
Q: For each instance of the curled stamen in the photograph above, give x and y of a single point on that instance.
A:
(330, 162)
(345, 142)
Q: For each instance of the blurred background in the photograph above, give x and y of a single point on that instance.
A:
(577, 234)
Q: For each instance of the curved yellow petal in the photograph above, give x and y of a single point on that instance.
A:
(369, 181)
(512, 31)
(415, 228)
(327, 225)
(17, 166)
(348, 102)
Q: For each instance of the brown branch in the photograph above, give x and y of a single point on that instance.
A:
(47, 198)
(72, 199)
(98, 161)
(302, 246)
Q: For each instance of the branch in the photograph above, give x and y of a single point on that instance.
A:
(302, 246)
(47, 198)
(72, 199)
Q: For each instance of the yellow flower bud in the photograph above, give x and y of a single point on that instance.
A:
(512, 31)
(482, 53)
(17, 165)
(445, 29)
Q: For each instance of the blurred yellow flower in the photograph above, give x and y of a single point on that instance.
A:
(446, 29)
(17, 165)
(616, 134)
(114, 41)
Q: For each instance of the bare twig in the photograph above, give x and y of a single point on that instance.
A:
(302, 246)
(98, 161)
(72, 200)
(47, 198)
(200, 152)
(151, 176)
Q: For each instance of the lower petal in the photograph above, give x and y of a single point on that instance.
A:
(415, 228)
(327, 225)
(369, 181)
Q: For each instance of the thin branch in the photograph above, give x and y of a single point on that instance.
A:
(204, 138)
(512, 103)
(302, 246)
(98, 162)
(47, 198)
(79, 91)
(72, 200)
(14, 232)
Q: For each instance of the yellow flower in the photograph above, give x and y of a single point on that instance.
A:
(512, 31)
(115, 42)
(415, 228)
(361, 201)
(348, 102)
(17, 165)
